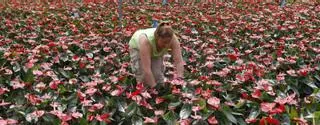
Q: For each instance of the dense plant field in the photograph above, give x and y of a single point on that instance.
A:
(245, 64)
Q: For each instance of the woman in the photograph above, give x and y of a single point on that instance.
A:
(147, 48)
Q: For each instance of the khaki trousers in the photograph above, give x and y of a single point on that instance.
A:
(157, 67)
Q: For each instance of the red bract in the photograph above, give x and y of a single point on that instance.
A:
(233, 57)
(278, 110)
(54, 84)
(198, 91)
(159, 100)
(212, 120)
(269, 121)
(206, 93)
(245, 95)
(90, 117)
(103, 118)
(3, 91)
(82, 65)
(256, 94)
(33, 99)
(95, 107)
(303, 72)
(81, 95)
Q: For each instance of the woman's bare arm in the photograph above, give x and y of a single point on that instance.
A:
(177, 56)
(145, 56)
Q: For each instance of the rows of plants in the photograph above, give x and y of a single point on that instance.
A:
(245, 64)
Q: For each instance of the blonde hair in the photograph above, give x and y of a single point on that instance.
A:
(164, 30)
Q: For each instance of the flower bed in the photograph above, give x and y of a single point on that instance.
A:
(245, 64)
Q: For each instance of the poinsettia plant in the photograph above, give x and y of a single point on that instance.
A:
(245, 64)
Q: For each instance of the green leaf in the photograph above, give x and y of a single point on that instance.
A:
(236, 113)
(62, 107)
(21, 112)
(48, 118)
(222, 119)
(168, 97)
(228, 113)
(254, 113)
(64, 73)
(83, 121)
(139, 111)
(170, 117)
(205, 113)
(131, 110)
(28, 76)
(103, 123)
(185, 111)
(317, 77)
(285, 119)
(16, 67)
(136, 120)
(84, 78)
(121, 106)
(175, 104)
(64, 58)
(62, 89)
(202, 103)
(317, 114)
(241, 121)
(90, 55)
(293, 113)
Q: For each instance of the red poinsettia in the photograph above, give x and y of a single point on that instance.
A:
(269, 121)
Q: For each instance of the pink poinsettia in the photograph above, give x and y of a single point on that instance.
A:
(4, 90)
(95, 107)
(251, 120)
(150, 120)
(212, 120)
(33, 99)
(8, 122)
(266, 86)
(268, 121)
(77, 115)
(214, 102)
(35, 115)
(118, 91)
(91, 91)
(267, 107)
(103, 117)
(16, 83)
(287, 100)
(271, 108)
